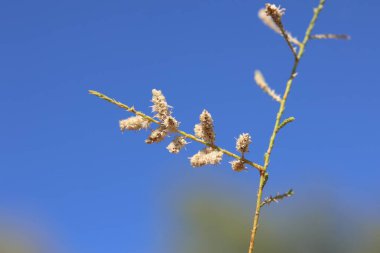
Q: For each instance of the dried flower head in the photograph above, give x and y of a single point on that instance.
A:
(242, 143)
(238, 165)
(206, 156)
(176, 145)
(268, 21)
(157, 135)
(260, 81)
(205, 130)
(160, 106)
(134, 123)
(171, 124)
(275, 13)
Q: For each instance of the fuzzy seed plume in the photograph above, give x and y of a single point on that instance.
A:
(176, 145)
(134, 123)
(160, 106)
(205, 129)
(207, 156)
(238, 165)
(157, 135)
(260, 81)
(242, 143)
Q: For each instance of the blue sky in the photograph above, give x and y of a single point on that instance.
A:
(64, 161)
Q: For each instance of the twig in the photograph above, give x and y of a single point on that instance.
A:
(285, 122)
(187, 135)
(277, 197)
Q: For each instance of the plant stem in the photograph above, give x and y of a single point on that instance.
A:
(187, 135)
(278, 120)
(257, 212)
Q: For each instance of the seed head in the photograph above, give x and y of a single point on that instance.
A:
(176, 145)
(275, 13)
(268, 21)
(160, 106)
(238, 165)
(242, 143)
(134, 123)
(171, 124)
(157, 135)
(205, 130)
(205, 157)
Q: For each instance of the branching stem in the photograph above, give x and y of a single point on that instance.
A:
(280, 112)
(187, 135)
(277, 126)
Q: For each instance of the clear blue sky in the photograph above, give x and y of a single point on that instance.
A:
(63, 158)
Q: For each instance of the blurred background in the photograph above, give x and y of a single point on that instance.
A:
(71, 182)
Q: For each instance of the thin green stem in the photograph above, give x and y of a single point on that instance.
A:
(187, 135)
(280, 113)
(257, 212)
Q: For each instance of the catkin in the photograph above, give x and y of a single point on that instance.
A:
(207, 156)
(157, 135)
(238, 165)
(134, 123)
(176, 145)
(171, 124)
(242, 143)
(205, 129)
(160, 106)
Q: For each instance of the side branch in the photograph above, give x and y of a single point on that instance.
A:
(277, 197)
(276, 14)
(123, 106)
(187, 135)
(330, 36)
(285, 122)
